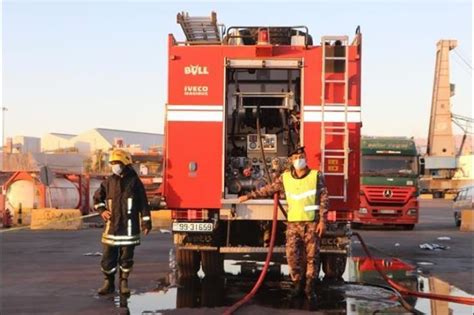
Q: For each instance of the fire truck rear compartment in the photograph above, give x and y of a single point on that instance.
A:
(273, 97)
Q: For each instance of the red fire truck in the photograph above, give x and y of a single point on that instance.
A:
(230, 88)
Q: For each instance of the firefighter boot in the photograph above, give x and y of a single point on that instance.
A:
(124, 283)
(310, 290)
(297, 289)
(108, 286)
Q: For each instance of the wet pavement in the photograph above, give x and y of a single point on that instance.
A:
(361, 292)
(57, 272)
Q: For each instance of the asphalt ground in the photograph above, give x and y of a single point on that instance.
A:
(57, 272)
(454, 265)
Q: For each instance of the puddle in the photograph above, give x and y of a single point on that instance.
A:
(351, 297)
(425, 263)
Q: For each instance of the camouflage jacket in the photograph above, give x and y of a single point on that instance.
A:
(277, 186)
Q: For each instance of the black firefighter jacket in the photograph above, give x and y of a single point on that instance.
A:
(126, 199)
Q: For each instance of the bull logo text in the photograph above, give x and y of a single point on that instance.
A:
(195, 70)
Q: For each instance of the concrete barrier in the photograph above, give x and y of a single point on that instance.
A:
(426, 196)
(449, 196)
(467, 220)
(56, 219)
(161, 219)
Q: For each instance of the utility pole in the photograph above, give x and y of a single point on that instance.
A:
(4, 109)
(2, 148)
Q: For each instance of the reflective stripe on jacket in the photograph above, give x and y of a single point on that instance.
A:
(301, 196)
(125, 197)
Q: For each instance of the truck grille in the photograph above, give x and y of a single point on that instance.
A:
(389, 194)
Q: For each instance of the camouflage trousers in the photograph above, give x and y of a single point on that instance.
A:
(302, 250)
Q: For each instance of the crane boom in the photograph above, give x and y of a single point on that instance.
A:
(440, 136)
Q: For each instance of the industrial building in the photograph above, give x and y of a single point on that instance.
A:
(23, 144)
(56, 141)
(100, 139)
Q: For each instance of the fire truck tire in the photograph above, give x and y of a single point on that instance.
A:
(408, 227)
(212, 263)
(333, 266)
(188, 292)
(188, 262)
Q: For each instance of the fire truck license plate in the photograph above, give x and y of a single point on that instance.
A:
(387, 211)
(192, 227)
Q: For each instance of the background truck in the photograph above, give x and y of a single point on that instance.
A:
(389, 182)
(234, 94)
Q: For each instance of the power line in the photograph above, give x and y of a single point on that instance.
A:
(462, 58)
(462, 66)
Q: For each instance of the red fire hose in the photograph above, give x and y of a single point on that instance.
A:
(404, 291)
(396, 286)
(263, 273)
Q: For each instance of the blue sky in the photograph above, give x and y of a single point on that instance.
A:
(71, 66)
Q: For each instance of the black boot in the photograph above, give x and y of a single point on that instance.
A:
(124, 283)
(109, 286)
(310, 290)
(297, 289)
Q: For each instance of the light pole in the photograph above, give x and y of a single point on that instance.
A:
(4, 109)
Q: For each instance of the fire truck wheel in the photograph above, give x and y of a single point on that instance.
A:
(188, 292)
(408, 227)
(212, 263)
(333, 266)
(188, 262)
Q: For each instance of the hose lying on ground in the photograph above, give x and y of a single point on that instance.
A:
(398, 289)
(404, 291)
(263, 273)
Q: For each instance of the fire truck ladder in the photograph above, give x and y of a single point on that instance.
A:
(200, 30)
(339, 131)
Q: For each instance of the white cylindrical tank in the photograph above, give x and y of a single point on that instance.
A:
(93, 186)
(64, 194)
(23, 192)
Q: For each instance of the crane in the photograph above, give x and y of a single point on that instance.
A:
(440, 161)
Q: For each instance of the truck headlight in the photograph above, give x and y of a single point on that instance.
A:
(412, 212)
(363, 211)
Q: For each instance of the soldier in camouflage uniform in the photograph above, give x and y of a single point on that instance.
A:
(307, 199)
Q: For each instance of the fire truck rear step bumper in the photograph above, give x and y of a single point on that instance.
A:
(278, 249)
(251, 250)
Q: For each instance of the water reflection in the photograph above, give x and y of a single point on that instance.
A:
(353, 296)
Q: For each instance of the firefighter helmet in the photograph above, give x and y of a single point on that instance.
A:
(120, 155)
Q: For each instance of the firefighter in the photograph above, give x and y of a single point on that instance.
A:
(120, 200)
(307, 199)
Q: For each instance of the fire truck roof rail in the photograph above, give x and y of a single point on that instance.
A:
(279, 35)
(200, 30)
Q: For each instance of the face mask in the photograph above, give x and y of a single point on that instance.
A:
(117, 169)
(299, 164)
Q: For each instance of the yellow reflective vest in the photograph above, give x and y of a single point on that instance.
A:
(301, 196)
